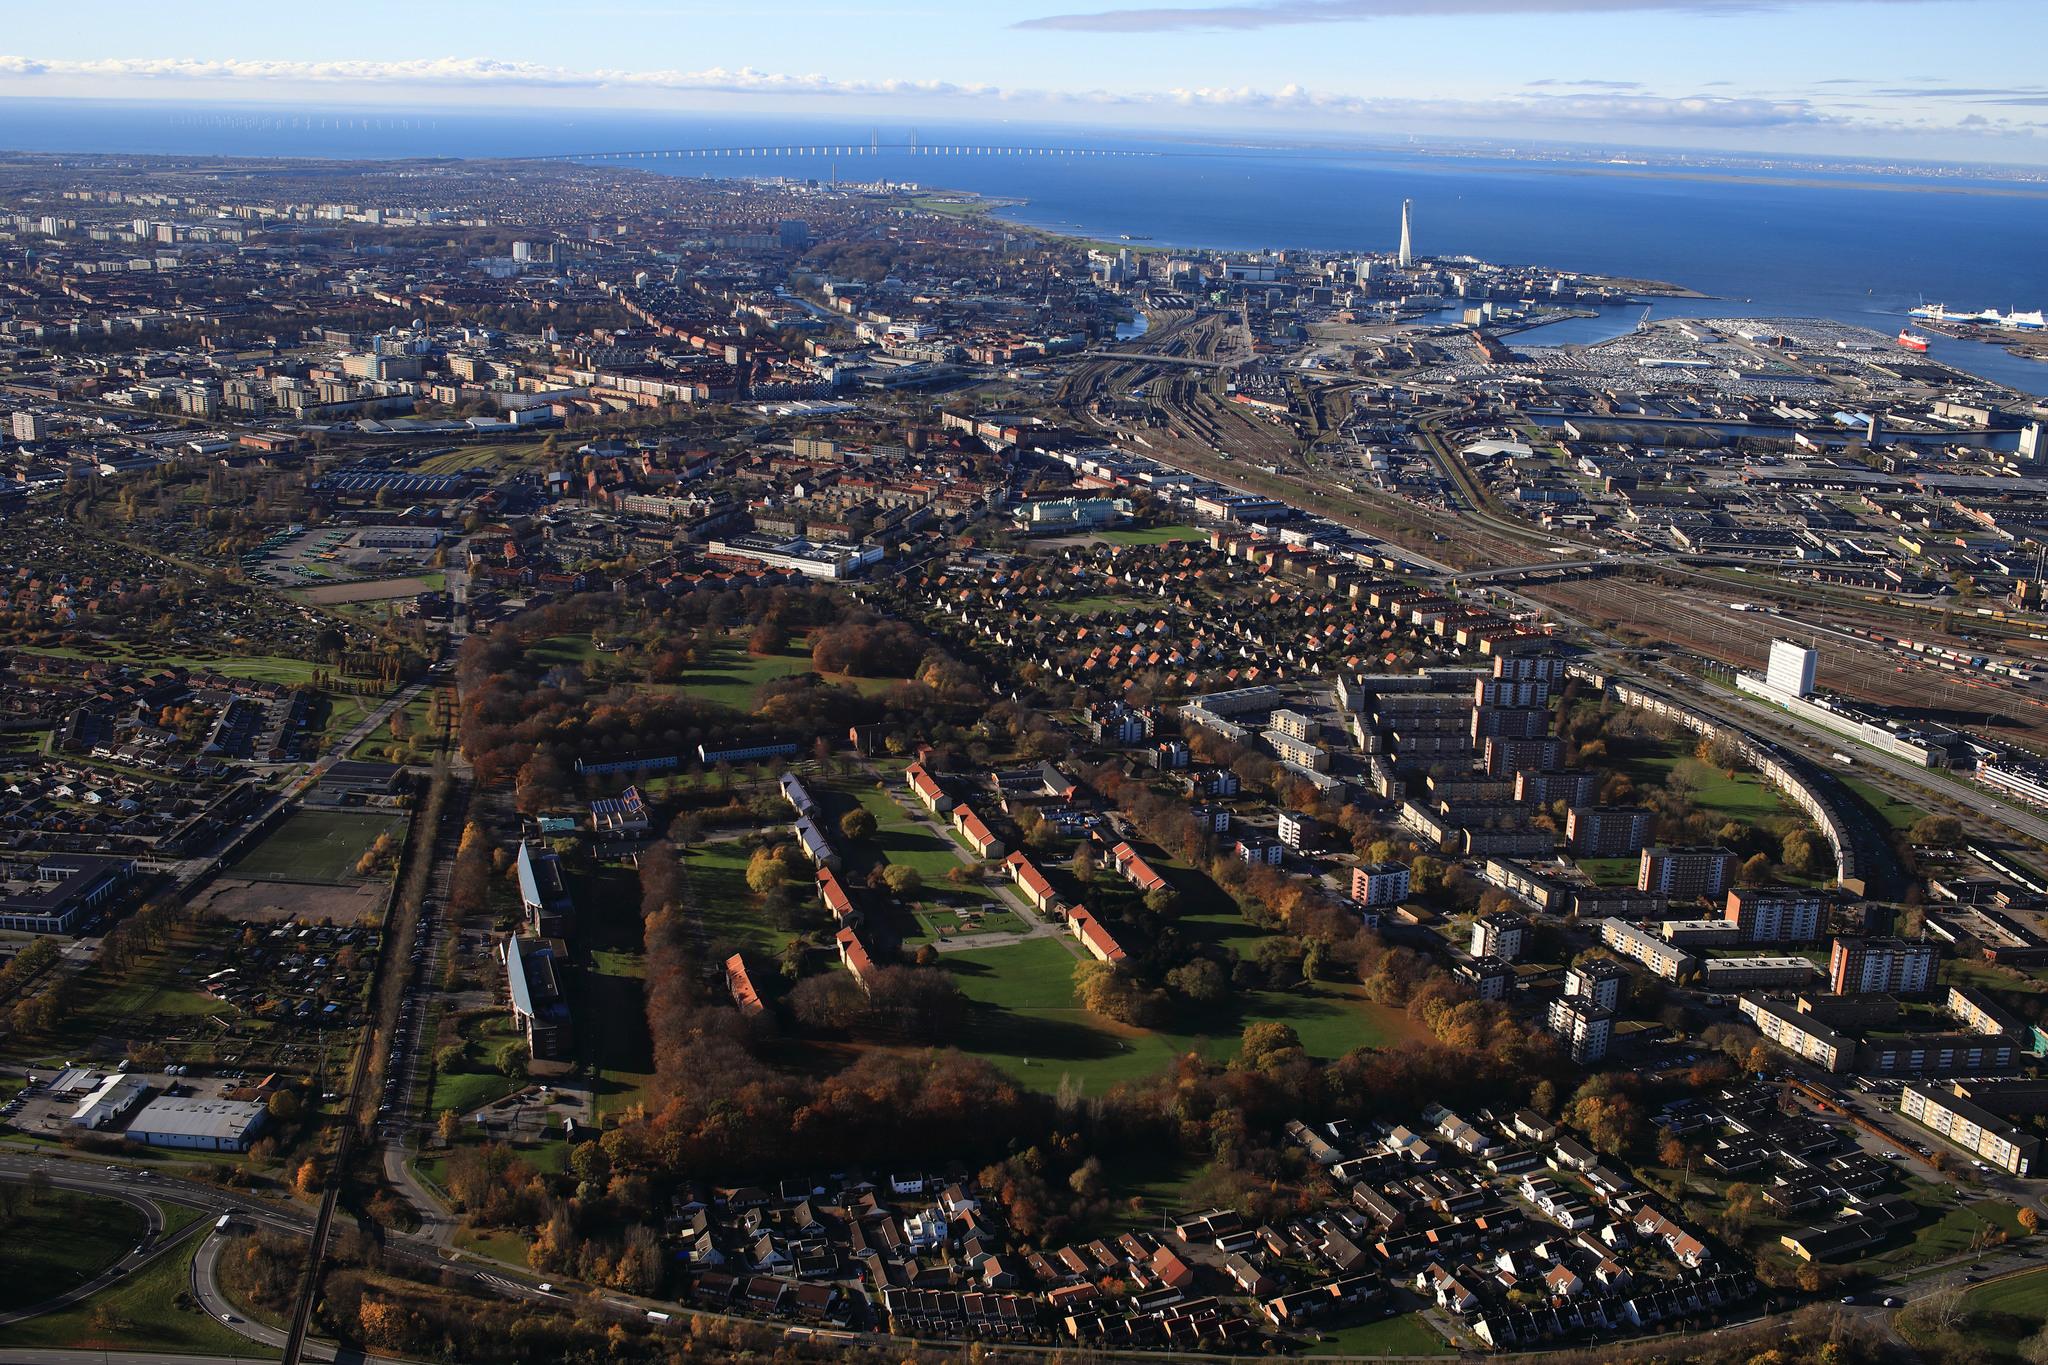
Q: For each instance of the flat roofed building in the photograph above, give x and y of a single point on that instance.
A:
(1661, 957)
(211, 1125)
(1955, 1113)
(109, 1102)
(1775, 914)
(1586, 1029)
(1727, 974)
(1596, 981)
(1687, 873)
(1379, 883)
(1797, 1033)
(53, 893)
(1500, 935)
(1882, 966)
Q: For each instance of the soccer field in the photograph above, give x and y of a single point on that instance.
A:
(317, 846)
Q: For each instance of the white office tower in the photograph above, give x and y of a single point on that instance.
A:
(2032, 446)
(1791, 668)
(1407, 257)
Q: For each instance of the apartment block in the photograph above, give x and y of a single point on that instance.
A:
(1687, 873)
(1886, 966)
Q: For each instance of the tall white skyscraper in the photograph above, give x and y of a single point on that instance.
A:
(1791, 668)
(1407, 257)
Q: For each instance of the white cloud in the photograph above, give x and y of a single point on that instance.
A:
(1288, 13)
(468, 72)
(1575, 107)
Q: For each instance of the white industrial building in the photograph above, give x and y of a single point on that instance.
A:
(113, 1098)
(211, 1125)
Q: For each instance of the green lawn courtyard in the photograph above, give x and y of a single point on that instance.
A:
(1023, 1017)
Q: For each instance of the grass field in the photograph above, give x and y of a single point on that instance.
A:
(491, 455)
(60, 1242)
(150, 1311)
(259, 667)
(1611, 871)
(1996, 1320)
(1896, 814)
(478, 1082)
(379, 747)
(2022, 1295)
(1950, 1231)
(612, 1032)
(1406, 1335)
(905, 842)
(718, 882)
(731, 676)
(317, 846)
(1024, 1019)
(1744, 798)
(1151, 535)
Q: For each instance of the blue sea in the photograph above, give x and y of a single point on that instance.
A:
(1787, 242)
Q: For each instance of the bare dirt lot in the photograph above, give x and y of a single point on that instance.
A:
(369, 590)
(235, 899)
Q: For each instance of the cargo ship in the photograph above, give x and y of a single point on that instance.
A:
(1911, 340)
(2015, 321)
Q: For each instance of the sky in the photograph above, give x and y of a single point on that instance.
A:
(1921, 80)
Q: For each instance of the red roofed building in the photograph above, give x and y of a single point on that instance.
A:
(926, 789)
(741, 986)
(1031, 881)
(1135, 869)
(1172, 1271)
(854, 954)
(1094, 937)
(832, 892)
(976, 833)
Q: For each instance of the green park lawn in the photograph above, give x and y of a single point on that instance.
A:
(151, 1310)
(1405, 1335)
(562, 649)
(316, 846)
(257, 667)
(1996, 1317)
(612, 1035)
(732, 676)
(1611, 871)
(1896, 814)
(1744, 798)
(379, 747)
(732, 919)
(1949, 1229)
(903, 841)
(61, 1241)
(476, 1081)
(1023, 1017)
